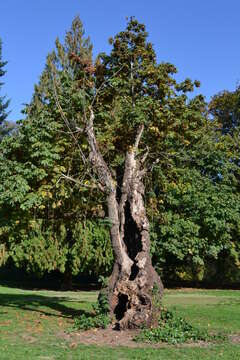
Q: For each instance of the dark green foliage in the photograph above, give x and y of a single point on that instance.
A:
(194, 207)
(173, 329)
(102, 306)
(198, 221)
(47, 222)
(85, 322)
(99, 319)
(225, 107)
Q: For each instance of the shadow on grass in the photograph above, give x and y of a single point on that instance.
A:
(46, 305)
(48, 285)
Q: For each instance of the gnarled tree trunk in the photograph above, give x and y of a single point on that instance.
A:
(134, 284)
(134, 280)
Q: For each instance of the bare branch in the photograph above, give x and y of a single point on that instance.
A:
(79, 130)
(67, 177)
(66, 121)
(153, 164)
(143, 159)
(138, 136)
(91, 117)
(96, 158)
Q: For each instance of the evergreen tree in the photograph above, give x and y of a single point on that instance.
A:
(44, 219)
(4, 103)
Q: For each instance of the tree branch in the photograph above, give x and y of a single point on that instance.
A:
(144, 157)
(67, 177)
(99, 165)
(66, 120)
(138, 136)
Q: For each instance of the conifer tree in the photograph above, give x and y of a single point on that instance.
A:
(4, 103)
(47, 223)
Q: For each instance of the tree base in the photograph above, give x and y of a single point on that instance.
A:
(134, 302)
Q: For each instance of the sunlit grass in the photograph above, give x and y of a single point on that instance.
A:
(32, 323)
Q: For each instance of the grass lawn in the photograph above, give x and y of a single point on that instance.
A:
(32, 322)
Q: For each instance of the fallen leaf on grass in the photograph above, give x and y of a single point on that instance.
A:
(38, 329)
(7, 322)
(29, 339)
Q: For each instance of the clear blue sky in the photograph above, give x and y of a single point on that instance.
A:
(200, 37)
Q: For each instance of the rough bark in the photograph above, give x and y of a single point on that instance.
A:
(131, 290)
(134, 287)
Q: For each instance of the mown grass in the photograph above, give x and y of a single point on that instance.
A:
(32, 322)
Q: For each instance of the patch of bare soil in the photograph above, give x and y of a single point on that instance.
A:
(235, 339)
(29, 339)
(107, 337)
(113, 338)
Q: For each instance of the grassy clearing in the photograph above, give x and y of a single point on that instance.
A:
(31, 323)
(214, 309)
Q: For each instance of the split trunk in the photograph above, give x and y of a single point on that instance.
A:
(135, 288)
